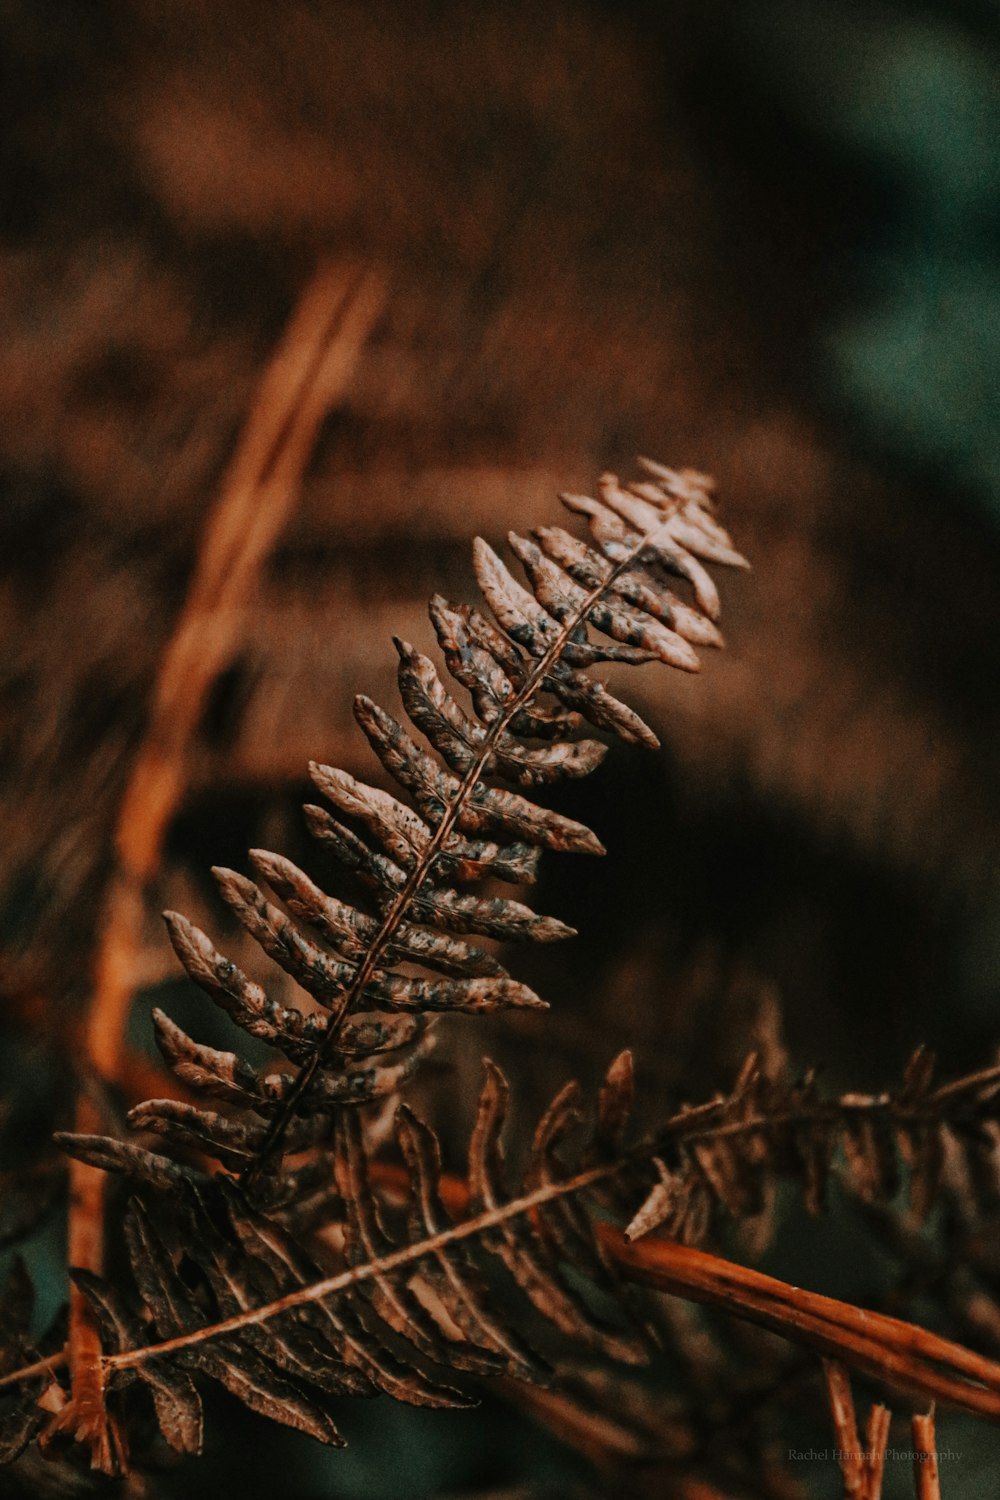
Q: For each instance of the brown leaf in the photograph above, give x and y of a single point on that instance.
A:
(564, 597)
(495, 916)
(485, 809)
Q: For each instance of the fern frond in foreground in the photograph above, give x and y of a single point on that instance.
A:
(423, 862)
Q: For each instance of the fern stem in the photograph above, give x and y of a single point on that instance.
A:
(45, 1366)
(925, 1461)
(886, 1348)
(823, 1112)
(405, 1255)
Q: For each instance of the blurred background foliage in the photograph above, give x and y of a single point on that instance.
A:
(882, 122)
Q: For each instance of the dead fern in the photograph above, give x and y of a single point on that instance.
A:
(235, 1294)
(310, 1268)
(418, 862)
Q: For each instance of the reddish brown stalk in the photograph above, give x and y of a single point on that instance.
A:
(85, 1416)
(845, 1427)
(862, 1469)
(876, 1442)
(306, 376)
(926, 1476)
(898, 1353)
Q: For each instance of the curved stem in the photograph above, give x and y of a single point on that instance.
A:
(306, 375)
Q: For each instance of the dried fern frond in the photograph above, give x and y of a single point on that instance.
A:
(421, 861)
(229, 1292)
(232, 1292)
(726, 1152)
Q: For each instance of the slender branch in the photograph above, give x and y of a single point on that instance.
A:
(86, 1415)
(926, 1476)
(306, 376)
(876, 1442)
(423, 865)
(863, 1469)
(46, 1366)
(845, 1426)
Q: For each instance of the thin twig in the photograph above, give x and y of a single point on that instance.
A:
(46, 1366)
(306, 376)
(862, 1469)
(876, 1442)
(926, 1476)
(845, 1426)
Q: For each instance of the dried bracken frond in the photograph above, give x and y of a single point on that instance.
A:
(230, 1291)
(419, 858)
(721, 1153)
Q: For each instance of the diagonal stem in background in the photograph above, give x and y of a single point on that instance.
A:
(307, 375)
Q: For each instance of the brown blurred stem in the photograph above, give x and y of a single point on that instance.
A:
(925, 1461)
(306, 376)
(862, 1469)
